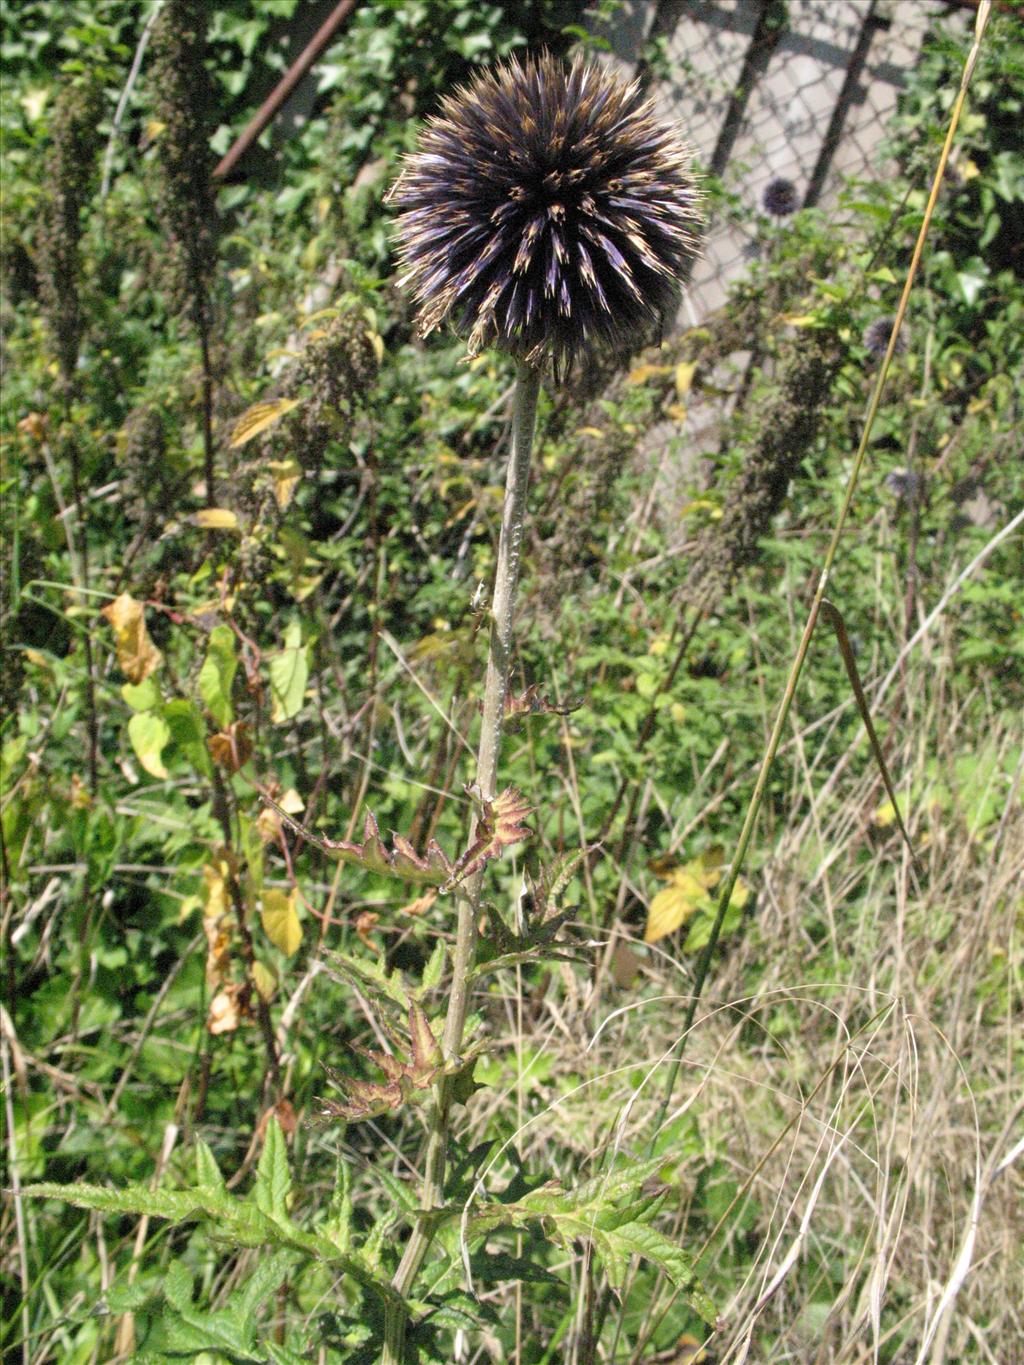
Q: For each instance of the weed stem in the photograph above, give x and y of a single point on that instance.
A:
(506, 582)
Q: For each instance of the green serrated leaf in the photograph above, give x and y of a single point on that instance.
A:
(273, 1178)
(640, 1239)
(282, 1355)
(338, 1226)
(434, 969)
(126, 1298)
(207, 1171)
(178, 1286)
(497, 1267)
(403, 1196)
(263, 1281)
(373, 973)
(190, 1331)
(177, 1205)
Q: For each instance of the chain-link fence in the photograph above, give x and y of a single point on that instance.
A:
(769, 92)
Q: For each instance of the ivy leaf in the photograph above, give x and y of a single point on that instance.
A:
(149, 734)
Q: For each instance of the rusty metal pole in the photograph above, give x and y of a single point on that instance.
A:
(284, 87)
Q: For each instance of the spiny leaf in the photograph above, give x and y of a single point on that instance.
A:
(368, 1099)
(207, 1171)
(401, 860)
(529, 702)
(499, 825)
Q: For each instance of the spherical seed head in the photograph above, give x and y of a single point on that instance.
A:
(779, 198)
(547, 211)
(876, 337)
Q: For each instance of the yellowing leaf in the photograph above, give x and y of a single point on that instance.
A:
(677, 411)
(286, 475)
(377, 342)
(685, 371)
(800, 319)
(884, 816)
(686, 893)
(280, 919)
(149, 735)
(258, 418)
(644, 372)
(216, 519)
(292, 802)
(34, 102)
(216, 924)
(673, 906)
(595, 432)
(264, 980)
(137, 656)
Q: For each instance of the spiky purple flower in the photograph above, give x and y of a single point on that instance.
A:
(547, 211)
(876, 337)
(779, 197)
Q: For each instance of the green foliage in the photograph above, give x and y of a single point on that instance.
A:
(320, 643)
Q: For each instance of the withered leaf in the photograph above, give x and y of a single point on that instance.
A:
(405, 1082)
(137, 656)
(231, 748)
(499, 825)
(529, 702)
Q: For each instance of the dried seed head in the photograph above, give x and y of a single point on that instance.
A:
(548, 211)
(779, 198)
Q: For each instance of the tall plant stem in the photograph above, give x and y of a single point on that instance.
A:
(204, 349)
(82, 577)
(796, 668)
(506, 582)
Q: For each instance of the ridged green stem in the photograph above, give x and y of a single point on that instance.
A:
(506, 582)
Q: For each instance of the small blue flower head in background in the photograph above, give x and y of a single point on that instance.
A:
(876, 337)
(779, 198)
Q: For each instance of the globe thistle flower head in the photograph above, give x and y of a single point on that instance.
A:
(779, 198)
(876, 337)
(547, 211)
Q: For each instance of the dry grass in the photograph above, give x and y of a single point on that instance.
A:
(856, 1064)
